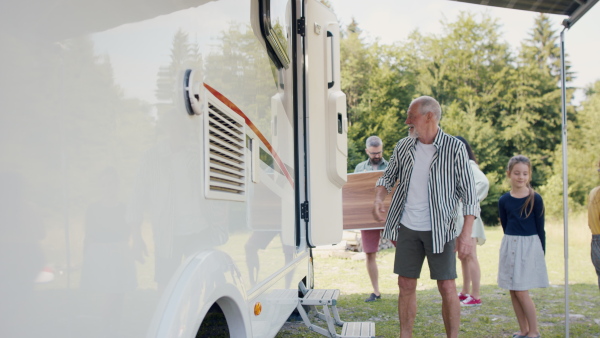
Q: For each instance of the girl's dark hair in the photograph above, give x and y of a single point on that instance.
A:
(528, 205)
(469, 150)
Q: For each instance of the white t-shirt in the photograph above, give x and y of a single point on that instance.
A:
(416, 211)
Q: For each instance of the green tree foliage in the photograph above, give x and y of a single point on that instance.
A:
(531, 123)
(583, 157)
(379, 85)
(503, 102)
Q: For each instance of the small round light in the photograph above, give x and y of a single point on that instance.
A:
(257, 308)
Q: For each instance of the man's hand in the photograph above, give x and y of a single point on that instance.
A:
(378, 211)
(464, 246)
(378, 207)
(464, 242)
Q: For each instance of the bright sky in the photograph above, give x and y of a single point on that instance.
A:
(393, 20)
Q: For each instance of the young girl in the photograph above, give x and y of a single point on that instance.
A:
(522, 264)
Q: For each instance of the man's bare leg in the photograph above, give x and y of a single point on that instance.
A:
(373, 272)
(407, 305)
(450, 306)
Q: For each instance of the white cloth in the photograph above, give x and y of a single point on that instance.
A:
(522, 263)
(482, 186)
(416, 213)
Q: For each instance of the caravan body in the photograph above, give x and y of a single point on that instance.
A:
(165, 163)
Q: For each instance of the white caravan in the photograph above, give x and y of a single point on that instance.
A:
(166, 165)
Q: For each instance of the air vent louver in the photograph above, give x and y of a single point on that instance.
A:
(224, 141)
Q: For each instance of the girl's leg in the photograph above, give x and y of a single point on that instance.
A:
(520, 313)
(474, 271)
(529, 310)
(464, 263)
(467, 272)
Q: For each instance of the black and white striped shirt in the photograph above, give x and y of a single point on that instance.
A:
(450, 180)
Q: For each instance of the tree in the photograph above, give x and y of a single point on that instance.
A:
(531, 120)
(583, 156)
(379, 85)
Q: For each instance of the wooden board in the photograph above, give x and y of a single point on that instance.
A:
(358, 195)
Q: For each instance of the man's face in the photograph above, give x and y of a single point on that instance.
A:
(375, 154)
(415, 120)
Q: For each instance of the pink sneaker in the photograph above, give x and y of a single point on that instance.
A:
(462, 296)
(470, 301)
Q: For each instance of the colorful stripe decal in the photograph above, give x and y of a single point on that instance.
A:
(250, 124)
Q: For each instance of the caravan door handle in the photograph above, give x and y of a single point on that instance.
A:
(331, 61)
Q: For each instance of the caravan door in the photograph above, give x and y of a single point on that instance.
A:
(327, 125)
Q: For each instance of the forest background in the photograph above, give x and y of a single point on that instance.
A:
(503, 102)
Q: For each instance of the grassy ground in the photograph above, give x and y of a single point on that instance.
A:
(495, 318)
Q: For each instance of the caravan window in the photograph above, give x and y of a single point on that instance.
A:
(275, 24)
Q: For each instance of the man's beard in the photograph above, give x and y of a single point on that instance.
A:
(412, 132)
(376, 160)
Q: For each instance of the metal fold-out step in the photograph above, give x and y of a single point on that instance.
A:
(327, 300)
(358, 329)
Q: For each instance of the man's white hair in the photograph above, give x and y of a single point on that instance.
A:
(428, 104)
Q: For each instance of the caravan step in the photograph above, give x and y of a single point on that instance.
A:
(320, 297)
(358, 329)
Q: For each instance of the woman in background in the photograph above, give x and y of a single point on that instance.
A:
(469, 295)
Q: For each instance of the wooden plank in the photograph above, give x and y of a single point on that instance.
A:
(358, 195)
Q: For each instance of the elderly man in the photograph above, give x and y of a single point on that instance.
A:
(433, 172)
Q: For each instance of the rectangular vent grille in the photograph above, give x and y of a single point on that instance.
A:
(225, 142)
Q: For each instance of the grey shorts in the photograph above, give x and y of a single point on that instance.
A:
(412, 248)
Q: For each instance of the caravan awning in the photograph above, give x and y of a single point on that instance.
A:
(574, 9)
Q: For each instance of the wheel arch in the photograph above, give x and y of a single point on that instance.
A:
(207, 278)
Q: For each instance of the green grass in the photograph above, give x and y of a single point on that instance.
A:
(495, 318)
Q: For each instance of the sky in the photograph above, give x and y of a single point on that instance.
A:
(392, 20)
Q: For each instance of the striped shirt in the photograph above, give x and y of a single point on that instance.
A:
(450, 180)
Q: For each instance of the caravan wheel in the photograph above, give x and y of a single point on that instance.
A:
(214, 324)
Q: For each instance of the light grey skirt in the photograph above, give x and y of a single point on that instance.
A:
(522, 263)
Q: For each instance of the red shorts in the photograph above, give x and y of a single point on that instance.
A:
(370, 240)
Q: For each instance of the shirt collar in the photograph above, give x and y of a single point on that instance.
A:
(439, 139)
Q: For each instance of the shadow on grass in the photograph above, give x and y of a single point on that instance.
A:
(494, 318)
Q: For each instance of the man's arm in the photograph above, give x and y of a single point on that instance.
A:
(385, 184)
(468, 194)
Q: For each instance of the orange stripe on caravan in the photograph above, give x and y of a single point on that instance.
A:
(238, 111)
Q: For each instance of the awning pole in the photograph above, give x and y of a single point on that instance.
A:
(565, 177)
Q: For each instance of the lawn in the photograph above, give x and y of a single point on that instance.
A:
(495, 318)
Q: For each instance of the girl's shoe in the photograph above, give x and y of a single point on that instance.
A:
(462, 296)
(470, 301)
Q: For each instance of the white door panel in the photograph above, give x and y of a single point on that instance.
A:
(326, 122)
